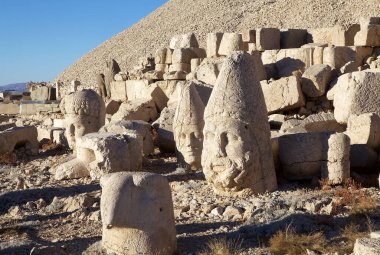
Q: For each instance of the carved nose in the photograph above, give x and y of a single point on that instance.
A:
(221, 149)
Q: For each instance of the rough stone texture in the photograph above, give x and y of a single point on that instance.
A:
(204, 17)
(19, 136)
(315, 80)
(213, 41)
(230, 42)
(72, 169)
(369, 34)
(118, 91)
(188, 127)
(125, 126)
(293, 38)
(268, 39)
(364, 129)
(208, 70)
(235, 113)
(337, 57)
(308, 155)
(184, 41)
(137, 214)
(289, 61)
(104, 153)
(322, 122)
(344, 36)
(284, 94)
(356, 93)
(367, 246)
(43, 94)
(139, 109)
(84, 113)
(164, 129)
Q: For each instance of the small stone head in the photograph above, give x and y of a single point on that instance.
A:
(84, 113)
(188, 126)
(137, 213)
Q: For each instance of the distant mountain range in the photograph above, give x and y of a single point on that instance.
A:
(14, 86)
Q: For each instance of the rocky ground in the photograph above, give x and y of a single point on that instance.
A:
(40, 214)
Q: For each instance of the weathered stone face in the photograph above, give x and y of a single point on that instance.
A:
(137, 214)
(84, 113)
(189, 142)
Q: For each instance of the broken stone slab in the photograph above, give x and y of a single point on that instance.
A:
(268, 39)
(104, 153)
(164, 139)
(364, 129)
(126, 126)
(230, 42)
(315, 80)
(363, 158)
(356, 93)
(137, 214)
(293, 38)
(137, 90)
(213, 43)
(308, 155)
(72, 169)
(367, 246)
(321, 122)
(289, 61)
(282, 95)
(138, 109)
(184, 41)
(16, 137)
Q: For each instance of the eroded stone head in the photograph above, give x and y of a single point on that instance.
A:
(84, 113)
(188, 126)
(236, 149)
(137, 214)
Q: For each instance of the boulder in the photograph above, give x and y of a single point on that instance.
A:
(364, 129)
(315, 80)
(16, 137)
(139, 109)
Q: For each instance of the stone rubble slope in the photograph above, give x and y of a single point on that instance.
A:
(202, 17)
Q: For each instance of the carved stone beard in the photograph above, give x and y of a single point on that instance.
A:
(231, 157)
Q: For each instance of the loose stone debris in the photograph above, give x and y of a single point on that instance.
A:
(261, 131)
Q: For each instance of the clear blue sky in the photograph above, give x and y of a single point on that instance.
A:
(40, 38)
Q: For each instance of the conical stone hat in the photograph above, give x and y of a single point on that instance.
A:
(237, 93)
(190, 107)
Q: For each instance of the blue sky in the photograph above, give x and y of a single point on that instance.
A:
(40, 38)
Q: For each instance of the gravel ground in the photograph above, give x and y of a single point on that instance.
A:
(201, 17)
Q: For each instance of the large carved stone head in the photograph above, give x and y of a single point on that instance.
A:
(84, 113)
(236, 148)
(137, 214)
(188, 126)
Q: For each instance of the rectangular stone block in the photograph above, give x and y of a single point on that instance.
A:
(344, 36)
(268, 39)
(293, 38)
(249, 36)
(320, 35)
(283, 95)
(368, 36)
(364, 129)
(291, 60)
(213, 44)
(9, 109)
(336, 57)
(118, 90)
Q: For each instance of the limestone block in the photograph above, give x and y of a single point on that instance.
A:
(364, 129)
(320, 35)
(169, 88)
(182, 55)
(44, 132)
(321, 122)
(336, 57)
(362, 54)
(337, 168)
(142, 89)
(104, 153)
(72, 169)
(356, 93)
(11, 109)
(138, 109)
(118, 90)
(308, 155)
(142, 128)
(249, 36)
(163, 56)
(230, 42)
(208, 70)
(137, 214)
(315, 80)
(290, 60)
(121, 76)
(268, 39)
(293, 38)
(195, 62)
(367, 246)
(43, 94)
(184, 41)
(164, 130)
(213, 44)
(59, 123)
(59, 137)
(363, 157)
(17, 137)
(368, 36)
(236, 112)
(282, 95)
(180, 67)
(342, 36)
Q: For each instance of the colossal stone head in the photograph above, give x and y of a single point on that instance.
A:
(84, 113)
(188, 127)
(137, 214)
(237, 152)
